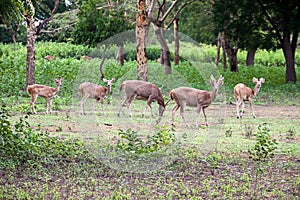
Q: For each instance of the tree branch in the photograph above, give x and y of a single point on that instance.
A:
(271, 21)
(47, 19)
(178, 11)
(168, 11)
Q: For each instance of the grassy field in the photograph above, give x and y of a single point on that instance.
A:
(204, 163)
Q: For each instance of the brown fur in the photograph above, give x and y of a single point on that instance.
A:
(37, 90)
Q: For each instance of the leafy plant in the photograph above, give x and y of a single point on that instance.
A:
(131, 142)
(20, 143)
(228, 132)
(265, 145)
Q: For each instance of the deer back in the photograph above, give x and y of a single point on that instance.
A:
(242, 91)
(41, 90)
(95, 91)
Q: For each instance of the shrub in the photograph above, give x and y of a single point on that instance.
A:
(265, 145)
(20, 143)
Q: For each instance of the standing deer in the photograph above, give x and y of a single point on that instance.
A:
(129, 87)
(243, 93)
(91, 90)
(201, 99)
(46, 92)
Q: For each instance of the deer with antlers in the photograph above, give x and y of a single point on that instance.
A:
(243, 93)
(91, 90)
(37, 90)
(192, 97)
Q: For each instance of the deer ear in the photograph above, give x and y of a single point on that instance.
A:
(113, 79)
(221, 80)
(262, 80)
(254, 80)
(105, 80)
(55, 79)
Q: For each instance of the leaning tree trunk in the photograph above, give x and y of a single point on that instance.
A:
(141, 32)
(30, 59)
(176, 40)
(165, 52)
(250, 57)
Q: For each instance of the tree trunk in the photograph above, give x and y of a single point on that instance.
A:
(13, 35)
(120, 54)
(250, 57)
(165, 52)
(232, 55)
(141, 31)
(218, 50)
(176, 40)
(289, 55)
(30, 59)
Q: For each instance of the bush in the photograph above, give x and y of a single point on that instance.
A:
(20, 143)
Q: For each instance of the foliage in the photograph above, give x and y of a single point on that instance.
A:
(95, 26)
(131, 142)
(20, 143)
(265, 145)
(196, 21)
(61, 27)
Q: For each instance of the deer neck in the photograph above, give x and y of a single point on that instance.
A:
(255, 91)
(213, 94)
(108, 90)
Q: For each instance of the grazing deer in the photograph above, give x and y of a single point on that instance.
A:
(243, 93)
(129, 87)
(150, 93)
(186, 96)
(46, 92)
(91, 90)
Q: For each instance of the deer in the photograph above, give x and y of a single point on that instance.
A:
(91, 90)
(192, 97)
(49, 57)
(243, 93)
(129, 87)
(141, 90)
(150, 93)
(37, 90)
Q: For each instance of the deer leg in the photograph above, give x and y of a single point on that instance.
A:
(243, 108)
(95, 105)
(251, 106)
(102, 105)
(84, 98)
(238, 103)
(182, 114)
(122, 104)
(49, 105)
(149, 101)
(129, 102)
(175, 108)
(32, 101)
(198, 111)
(206, 123)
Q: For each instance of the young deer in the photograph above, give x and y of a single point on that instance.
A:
(150, 93)
(243, 93)
(129, 87)
(91, 90)
(201, 99)
(46, 92)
